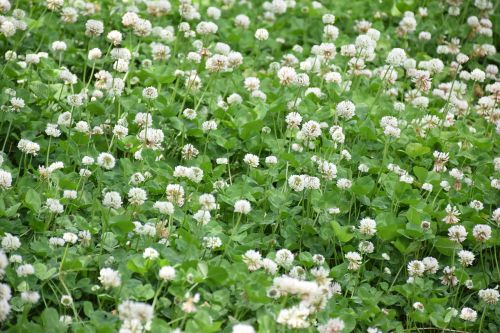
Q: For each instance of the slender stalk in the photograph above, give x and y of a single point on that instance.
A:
(48, 152)
(482, 320)
(157, 294)
(7, 135)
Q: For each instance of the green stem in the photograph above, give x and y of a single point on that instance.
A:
(157, 294)
(7, 135)
(48, 152)
(482, 320)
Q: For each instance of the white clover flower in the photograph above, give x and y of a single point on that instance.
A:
(294, 317)
(335, 325)
(344, 183)
(150, 253)
(64, 319)
(366, 247)
(466, 258)
(481, 232)
(28, 147)
(94, 28)
(284, 258)
(112, 200)
(427, 187)
(202, 216)
(333, 210)
(363, 168)
(164, 207)
(167, 273)
(271, 160)
(106, 161)
(457, 233)
(66, 300)
(137, 196)
(242, 21)
(431, 265)
(115, 37)
(5, 179)
(54, 206)
(261, 34)
(346, 109)
(293, 120)
(297, 182)
(476, 205)
(251, 160)
(416, 268)
(205, 28)
(418, 306)
(175, 194)
(109, 278)
(368, 226)
(212, 242)
(269, 266)
(214, 12)
(209, 125)
(70, 237)
(94, 54)
(150, 93)
(234, 99)
(478, 75)
(30, 297)
(468, 314)
(396, 57)
(287, 75)
(253, 260)
(354, 259)
(310, 130)
(17, 103)
(25, 270)
(489, 296)
(252, 83)
(242, 328)
(207, 201)
(242, 207)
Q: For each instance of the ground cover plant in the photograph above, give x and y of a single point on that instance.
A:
(249, 166)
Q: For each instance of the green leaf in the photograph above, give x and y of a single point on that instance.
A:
(136, 264)
(32, 200)
(88, 308)
(121, 223)
(446, 246)
(217, 275)
(203, 268)
(42, 272)
(342, 233)
(40, 89)
(12, 210)
(406, 247)
(415, 149)
(159, 325)
(277, 199)
(143, 292)
(363, 185)
(267, 324)
(251, 129)
(388, 225)
(421, 173)
(96, 108)
(50, 321)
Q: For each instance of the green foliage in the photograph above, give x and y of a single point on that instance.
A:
(170, 184)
